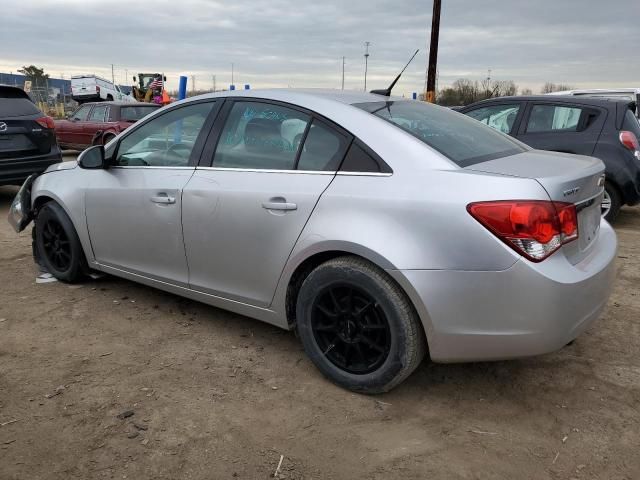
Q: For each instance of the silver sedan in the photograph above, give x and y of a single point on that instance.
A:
(381, 229)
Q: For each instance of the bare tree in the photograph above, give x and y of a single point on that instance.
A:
(550, 87)
(526, 91)
(464, 91)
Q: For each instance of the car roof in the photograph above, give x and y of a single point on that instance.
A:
(13, 92)
(579, 100)
(124, 104)
(597, 90)
(297, 95)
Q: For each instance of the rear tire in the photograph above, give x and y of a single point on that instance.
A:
(107, 138)
(109, 98)
(57, 243)
(611, 203)
(358, 327)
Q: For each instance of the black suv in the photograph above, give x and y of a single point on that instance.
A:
(27, 137)
(603, 128)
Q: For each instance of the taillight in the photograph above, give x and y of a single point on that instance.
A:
(533, 228)
(97, 89)
(46, 122)
(629, 140)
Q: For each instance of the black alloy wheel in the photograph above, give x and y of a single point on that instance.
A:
(351, 329)
(56, 245)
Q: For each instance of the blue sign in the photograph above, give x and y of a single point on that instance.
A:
(415, 96)
(232, 87)
(247, 86)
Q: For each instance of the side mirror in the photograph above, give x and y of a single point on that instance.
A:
(92, 158)
(165, 78)
(134, 80)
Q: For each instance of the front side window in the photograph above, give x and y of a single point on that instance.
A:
(167, 140)
(260, 136)
(82, 113)
(98, 113)
(549, 118)
(456, 136)
(498, 117)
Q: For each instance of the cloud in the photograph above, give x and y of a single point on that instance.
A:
(297, 43)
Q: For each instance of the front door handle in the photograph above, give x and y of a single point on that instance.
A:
(163, 199)
(281, 205)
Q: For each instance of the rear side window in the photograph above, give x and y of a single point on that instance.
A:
(550, 118)
(359, 158)
(16, 107)
(456, 136)
(323, 149)
(98, 113)
(261, 136)
(498, 117)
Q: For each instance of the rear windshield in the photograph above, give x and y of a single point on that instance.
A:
(459, 138)
(631, 124)
(133, 114)
(16, 107)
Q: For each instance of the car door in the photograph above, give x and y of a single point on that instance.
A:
(502, 116)
(244, 213)
(562, 127)
(71, 131)
(95, 121)
(134, 208)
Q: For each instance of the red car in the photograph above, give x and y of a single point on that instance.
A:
(95, 123)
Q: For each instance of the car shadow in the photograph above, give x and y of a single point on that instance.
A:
(7, 194)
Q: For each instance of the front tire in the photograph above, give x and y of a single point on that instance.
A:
(57, 243)
(358, 327)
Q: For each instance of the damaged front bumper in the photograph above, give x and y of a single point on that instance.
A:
(20, 213)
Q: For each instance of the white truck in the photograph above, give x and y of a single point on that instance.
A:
(91, 88)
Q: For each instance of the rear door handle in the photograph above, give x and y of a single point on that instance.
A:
(279, 206)
(163, 199)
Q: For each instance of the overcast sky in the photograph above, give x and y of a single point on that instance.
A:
(280, 43)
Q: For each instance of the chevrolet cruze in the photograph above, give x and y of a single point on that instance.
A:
(381, 229)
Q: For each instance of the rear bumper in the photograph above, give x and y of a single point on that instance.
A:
(526, 310)
(16, 171)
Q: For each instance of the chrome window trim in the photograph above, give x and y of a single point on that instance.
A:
(267, 170)
(308, 172)
(154, 167)
(365, 174)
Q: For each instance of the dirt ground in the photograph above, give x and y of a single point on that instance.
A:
(217, 395)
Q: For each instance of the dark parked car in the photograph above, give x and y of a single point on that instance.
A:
(98, 123)
(27, 140)
(603, 128)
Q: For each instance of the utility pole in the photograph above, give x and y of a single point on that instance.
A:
(232, 74)
(342, 73)
(113, 78)
(366, 63)
(126, 76)
(213, 79)
(193, 83)
(430, 95)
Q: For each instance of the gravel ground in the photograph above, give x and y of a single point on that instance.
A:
(216, 395)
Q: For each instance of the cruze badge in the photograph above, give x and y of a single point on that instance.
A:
(571, 191)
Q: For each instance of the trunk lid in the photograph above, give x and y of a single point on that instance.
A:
(566, 178)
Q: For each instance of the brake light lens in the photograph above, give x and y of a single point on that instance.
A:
(97, 89)
(533, 228)
(45, 122)
(629, 140)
